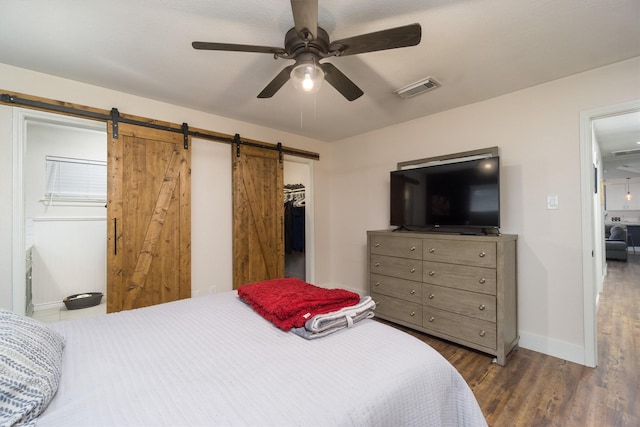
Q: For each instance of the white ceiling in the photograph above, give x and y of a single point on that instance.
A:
(476, 49)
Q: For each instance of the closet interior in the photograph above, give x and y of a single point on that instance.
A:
(294, 230)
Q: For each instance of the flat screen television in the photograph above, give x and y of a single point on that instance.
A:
(460, 194)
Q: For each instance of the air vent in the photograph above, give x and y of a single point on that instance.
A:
(626, 151)
(417, 88)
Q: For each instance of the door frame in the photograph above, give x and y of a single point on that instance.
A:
(589, 277)
(20, 119)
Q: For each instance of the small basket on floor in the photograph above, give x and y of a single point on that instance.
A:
(87, 299)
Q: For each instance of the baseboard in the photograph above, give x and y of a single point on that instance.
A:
(556, 348)
(48, 306)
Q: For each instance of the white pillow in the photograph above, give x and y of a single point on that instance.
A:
(30, 368)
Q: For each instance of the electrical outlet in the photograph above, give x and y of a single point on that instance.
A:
(552, 201)
(212, 290)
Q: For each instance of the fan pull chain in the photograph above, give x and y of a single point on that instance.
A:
(301, 113)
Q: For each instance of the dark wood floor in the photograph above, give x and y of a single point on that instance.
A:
(534, 389)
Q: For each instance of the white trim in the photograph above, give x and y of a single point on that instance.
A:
(590, 303)
(18, 267)
(56, 305)
(20, 118)
(556, 348)
(85, 203)
(68, 218)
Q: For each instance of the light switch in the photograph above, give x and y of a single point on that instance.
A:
(552, 201)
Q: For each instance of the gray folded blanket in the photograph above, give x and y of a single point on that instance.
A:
(324, 324)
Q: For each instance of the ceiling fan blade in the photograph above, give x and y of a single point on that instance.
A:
(237, 47)
(340, 82)
(275, 84)
(305, 18)
(408, 35)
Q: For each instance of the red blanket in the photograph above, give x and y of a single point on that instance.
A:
(289, 303)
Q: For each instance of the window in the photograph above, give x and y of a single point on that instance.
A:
(76, 180)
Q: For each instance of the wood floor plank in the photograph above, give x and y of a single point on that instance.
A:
(534, 389)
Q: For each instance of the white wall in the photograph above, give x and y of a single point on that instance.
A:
(296, 173)
(537, 130)
(211, 170)
(69, 252)
(538, 133)
(211, 217)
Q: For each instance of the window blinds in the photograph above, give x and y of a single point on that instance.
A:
(76, 179)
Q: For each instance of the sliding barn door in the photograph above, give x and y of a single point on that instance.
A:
(149, 218)
(258, 213)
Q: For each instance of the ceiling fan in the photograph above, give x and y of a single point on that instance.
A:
(307, 43)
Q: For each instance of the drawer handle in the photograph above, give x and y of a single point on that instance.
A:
(413, 270)
(431, 273)
(376, 245)
(482, 281)
(482, 333)
(482, 254)
(413, 248)
(377, 284)
(377, 264)
(413, 291)
(481, 307)
(432, 250)
(431, 296)
(413, 313)
(431, 319)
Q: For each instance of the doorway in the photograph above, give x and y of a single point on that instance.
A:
(299, 196)
(59, 236)
(593, 256)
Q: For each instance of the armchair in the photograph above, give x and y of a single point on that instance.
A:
(616, 242)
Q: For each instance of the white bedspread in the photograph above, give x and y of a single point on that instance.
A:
(212, 361)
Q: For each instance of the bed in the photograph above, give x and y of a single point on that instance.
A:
(212, 361)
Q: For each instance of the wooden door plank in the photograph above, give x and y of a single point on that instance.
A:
(152, 234)
(151, 185)
(258, 214)
(264, 237)
(114, 211)
(184, 221)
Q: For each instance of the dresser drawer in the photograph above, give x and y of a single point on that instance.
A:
(475, 279)
(396, 246)
(403, 268)
(465, 252)
(478, 306)
(460, 327)
(388, 307)
(398, 288)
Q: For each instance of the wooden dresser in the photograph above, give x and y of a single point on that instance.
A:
(459, 288)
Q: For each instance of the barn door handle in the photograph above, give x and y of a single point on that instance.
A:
(115, 236)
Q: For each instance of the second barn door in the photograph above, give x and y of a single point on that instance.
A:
(258, 215)
(148, 218)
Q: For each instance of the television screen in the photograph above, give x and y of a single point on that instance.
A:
(461, 194)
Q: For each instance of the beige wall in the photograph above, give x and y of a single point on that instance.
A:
(538, 133)
(537, 130)
(211, 170)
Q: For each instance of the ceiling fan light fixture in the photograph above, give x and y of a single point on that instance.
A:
(307, 77)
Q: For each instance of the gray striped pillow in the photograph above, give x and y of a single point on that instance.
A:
(30, 367)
